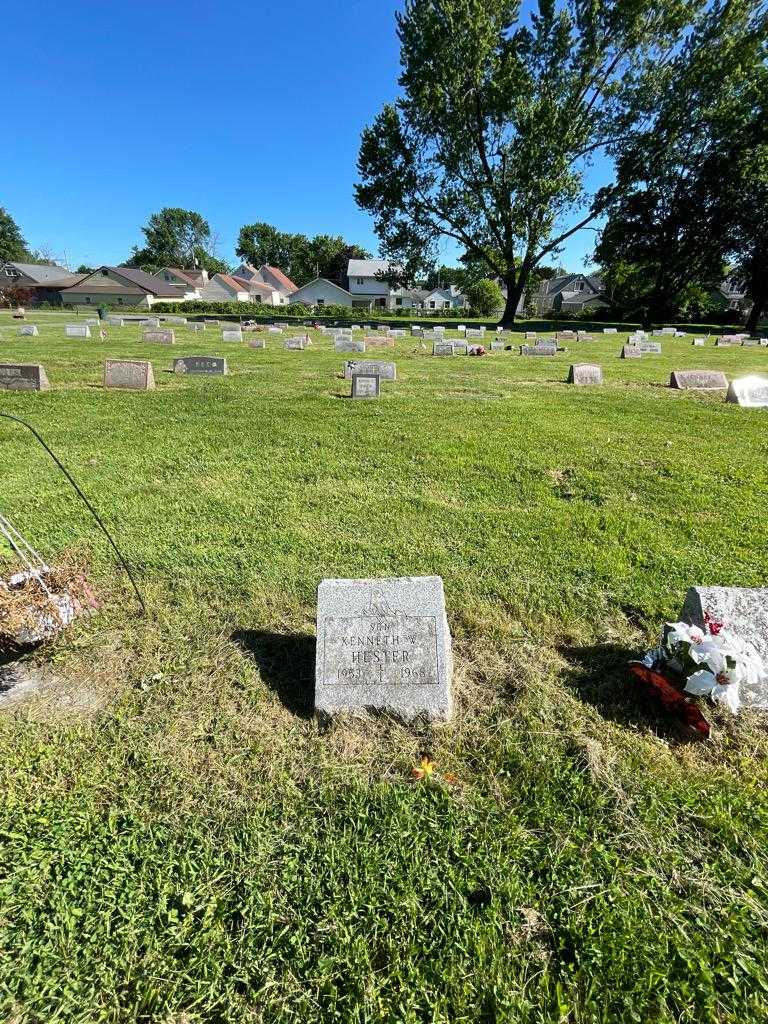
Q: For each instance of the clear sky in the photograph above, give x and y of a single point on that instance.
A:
(243, 112)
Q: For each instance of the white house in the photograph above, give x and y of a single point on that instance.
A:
(366, 283)
(445, 298)
(224, 288)
(322, 292)
(272, 277)
(183, 278)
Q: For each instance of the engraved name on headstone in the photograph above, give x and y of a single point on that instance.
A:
(442, 348)
(631, 352)
(384, 645)
(539, 349)
(366, 385)
(131, 374)
(385, 371)
(749, 392)
(585, 373)
(23, 377)
(164, 336)
(698, 380)
(214, 366)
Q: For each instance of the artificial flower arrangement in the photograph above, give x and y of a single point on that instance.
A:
(712, 662)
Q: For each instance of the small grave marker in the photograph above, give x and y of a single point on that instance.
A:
(130, 374)
(160, 337)
(23, 377)
(749, 392)
(385, 371)
(585, 373)
(539, 349)
(384, 645)
(77, 331)
(29, 329)
(443, 348)
(698, 380)
(349, 344)
(213, 366)
(631, 352)
(366, 385)
(232, 334)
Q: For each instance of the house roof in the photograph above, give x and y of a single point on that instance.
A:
(367, 268)
(136, 282)
(281, 278)
(145, 281)
(257, 287)
(230, 282)
(324, 280)
(68, 281)
(193, 277)
(563, 284)
(40, 272)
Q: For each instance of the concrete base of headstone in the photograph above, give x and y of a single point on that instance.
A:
(741, 609)
(384, 645)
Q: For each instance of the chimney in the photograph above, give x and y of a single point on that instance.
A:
(205, 277)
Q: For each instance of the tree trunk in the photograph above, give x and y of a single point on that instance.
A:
(759, 306)
(515, 287)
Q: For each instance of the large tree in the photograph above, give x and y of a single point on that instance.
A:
(175, 238)
(499, 116)
(300, 257)
(13, 248)
(681, 205)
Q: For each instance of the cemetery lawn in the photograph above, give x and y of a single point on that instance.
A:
(180, 840)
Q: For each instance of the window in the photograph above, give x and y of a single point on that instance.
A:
(321, 302)
(431, 305)
(120, 300)
(104, 273)
(88, 298)
(359, 280)
(398, 302)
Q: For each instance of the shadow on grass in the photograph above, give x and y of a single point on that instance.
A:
(600, 677)
(287, 665)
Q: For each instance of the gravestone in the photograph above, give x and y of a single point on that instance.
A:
(257, 343)
(161, 337)
(131, 374)
(234, 334)
(497, 346)
(461, 328)
(348, 344)
(698, 343)
(92, 321)
(385, 371)
(473, 332)
(384, 645)
(175, 319)
(749, 392)
(431, 336)
(77, 331)
(531, 335)
(213, 366)
(565, 335)
(668, 330)
(152, 321)
(274, 330)
(379, 341)
(23, 377)
(29, 329)
(396, 334)
(585, 337)
(585, 373)
(650, 348)
(459, 348)
(631, 352)
(366, 385)
(724, 343)
(743, 610)
(610, 330)
(442, 348)
(297, 344)
(750, 342)
(417, 332)
(115, 321)
(698, 380)
(196, 327)
(539, 349)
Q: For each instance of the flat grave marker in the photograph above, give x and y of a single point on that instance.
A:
(232, 334)
(77, 331)
(539, 349)
(349, 344)
(30, 330)
(384, 645)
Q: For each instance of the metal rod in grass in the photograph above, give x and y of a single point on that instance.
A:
(86, 502)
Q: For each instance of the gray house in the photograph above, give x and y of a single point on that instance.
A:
(571, 293)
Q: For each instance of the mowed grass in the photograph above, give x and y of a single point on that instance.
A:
(182, 842)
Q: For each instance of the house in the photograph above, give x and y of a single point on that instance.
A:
(119, 286)
(183, 278)
(407, 298)
(732, 294)
(272, 277)
(35, 278)
(224, 288)
(322, 292)
(450, 297)
(571, 293)
(367, 283)
(258, 292)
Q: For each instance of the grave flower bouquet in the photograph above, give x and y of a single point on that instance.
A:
(714, 662)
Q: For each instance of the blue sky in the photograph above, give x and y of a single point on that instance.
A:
(242, 112)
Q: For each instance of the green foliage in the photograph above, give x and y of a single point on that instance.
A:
(176, 238)
(499, 115)
(300, 257)
(485, 297)
(13, 248)
(683, 184)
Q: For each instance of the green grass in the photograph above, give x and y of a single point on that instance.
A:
(181, 842)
